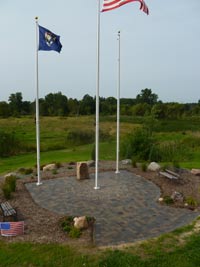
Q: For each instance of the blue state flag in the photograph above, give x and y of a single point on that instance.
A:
(48, 40)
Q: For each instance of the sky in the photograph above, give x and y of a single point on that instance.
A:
(159, 51)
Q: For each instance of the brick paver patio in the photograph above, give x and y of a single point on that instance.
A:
(125, 207)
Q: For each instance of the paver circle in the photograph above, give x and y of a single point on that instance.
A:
(125, 207)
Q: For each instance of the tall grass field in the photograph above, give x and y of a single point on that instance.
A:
(66, 139)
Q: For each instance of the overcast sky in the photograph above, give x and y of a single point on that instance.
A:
(159, 51)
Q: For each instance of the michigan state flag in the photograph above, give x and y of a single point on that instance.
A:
(48, 40)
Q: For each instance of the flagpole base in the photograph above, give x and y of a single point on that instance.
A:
(39, 183)
(117, 172)
(97, 187)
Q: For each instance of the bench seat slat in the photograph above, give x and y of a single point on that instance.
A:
(173, 173)
(7, 210)
(168, 175)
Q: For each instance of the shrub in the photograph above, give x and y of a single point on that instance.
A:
(79, 137)
(168, 200)
(54, 172)
(25, 171)
(191, 201)
(9, 186)
(11, 182)
(6, 191)
(137, 144)
(69, 167)
(155, 153)
(144, 167)
(165, 166)
(176, 164)
(9, 144)
(134, 162)
(74, 232)
(174, 151)
(58, 165)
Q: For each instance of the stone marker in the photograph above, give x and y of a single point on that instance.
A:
(82, 171)
(81, 222)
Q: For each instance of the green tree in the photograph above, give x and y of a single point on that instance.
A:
(108, 105)
(159, 111)
(146, 96)
(56, 104)
(174, 110)
(73, 105)
(4, 109)
(15, 103)
(87, 105)
(141, 109)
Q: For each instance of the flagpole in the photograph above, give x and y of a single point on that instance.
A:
(97, 99)
(37, 109)
(118, 105)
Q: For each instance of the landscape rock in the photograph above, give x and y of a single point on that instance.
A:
(126, 161)
(153, 166)
(82, 171)
(49, 167)
(196, 172)
(11, 174)
(81, 222)
(177, 197)
(91, 163)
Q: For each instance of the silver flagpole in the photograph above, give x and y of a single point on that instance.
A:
(118, 108)
(37, 109)
(97, 99)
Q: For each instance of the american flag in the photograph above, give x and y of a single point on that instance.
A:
(12, 228)
(112, 4)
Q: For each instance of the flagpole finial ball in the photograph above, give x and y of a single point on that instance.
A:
(36, 18)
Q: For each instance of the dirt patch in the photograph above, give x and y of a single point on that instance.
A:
(42, 226)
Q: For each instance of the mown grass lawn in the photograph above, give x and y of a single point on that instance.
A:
(166, 251)
(80, 153)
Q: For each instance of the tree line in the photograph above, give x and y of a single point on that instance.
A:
(56, 104)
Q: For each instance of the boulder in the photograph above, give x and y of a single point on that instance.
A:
(49, 167)
(91, 163)
(196, 172)
(82, 171)
(153, 166)
(81, 222)
(126, 161)
(11, 174)
(177, 197)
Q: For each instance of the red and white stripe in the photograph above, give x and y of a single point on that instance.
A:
(16, 228)
(112, 4)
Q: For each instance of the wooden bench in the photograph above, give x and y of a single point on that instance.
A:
(169, 174)
(8, 211)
